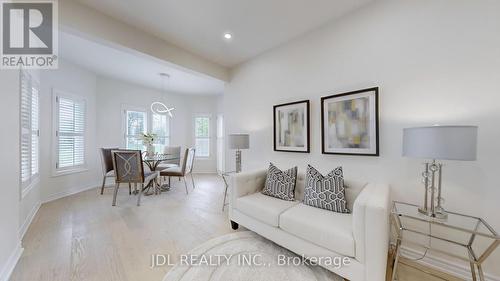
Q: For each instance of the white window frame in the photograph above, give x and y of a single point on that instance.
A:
(209, 116)
(221, 143)
(150, 129)
(126, 108)
(149, 122)
(33, 178)
(56, 171)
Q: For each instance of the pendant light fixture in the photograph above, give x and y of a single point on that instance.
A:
(159, 107)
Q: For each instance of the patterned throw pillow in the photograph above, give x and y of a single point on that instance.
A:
(325, 192)
(280, 184)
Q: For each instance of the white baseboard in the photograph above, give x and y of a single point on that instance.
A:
(69, 192)
(451, 268)
(7, 270)
(27, 222)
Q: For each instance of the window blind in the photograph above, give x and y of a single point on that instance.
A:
(135, 125)
(202, 136)
(161, 127)
(70, 132)
(29, 139)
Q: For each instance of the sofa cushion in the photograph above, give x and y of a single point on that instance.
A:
(263, 208)
(352, 189)
(321, 227)
(280, 184)
(325, 192)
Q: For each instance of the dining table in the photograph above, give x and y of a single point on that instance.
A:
(152, 162)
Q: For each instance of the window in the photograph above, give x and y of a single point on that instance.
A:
(202, 136)
(220, 144)
(135, 126)
(70, 133)
(29, 130)
(161, 127)
(138, 121)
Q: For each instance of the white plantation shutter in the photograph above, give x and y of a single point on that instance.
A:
(70, 132)
(135, 126)
(35, 132)
(202, 136)
(29, 129)
(160, 126)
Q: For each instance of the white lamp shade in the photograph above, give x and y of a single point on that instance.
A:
(239, 141)
(441, 142)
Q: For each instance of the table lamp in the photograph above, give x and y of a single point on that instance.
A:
(438, 143)
(239, 142)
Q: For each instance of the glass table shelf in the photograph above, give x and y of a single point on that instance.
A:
(457, 230)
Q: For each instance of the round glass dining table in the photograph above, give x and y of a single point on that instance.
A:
(152, 161)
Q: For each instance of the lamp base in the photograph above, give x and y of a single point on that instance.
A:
(432, 172)
(238, 161)
(424, 211)
(438, 213)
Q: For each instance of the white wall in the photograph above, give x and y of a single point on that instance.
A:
(10, 245)
(74, 80)
(28, 207)
(113, 95)
(434, 61)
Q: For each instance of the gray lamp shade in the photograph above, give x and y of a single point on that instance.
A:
(239, 141)
(441, 142)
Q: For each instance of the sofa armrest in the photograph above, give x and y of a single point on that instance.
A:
(371, 229)
(246, 183)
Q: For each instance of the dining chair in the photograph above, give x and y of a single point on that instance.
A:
(184, 170)
(107, 165)
(129, 169)
(175, 152)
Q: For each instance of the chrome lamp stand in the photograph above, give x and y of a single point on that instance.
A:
(238, 160)
(432, 178)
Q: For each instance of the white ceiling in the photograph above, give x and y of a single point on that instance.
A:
(198, 25)
(134, 67)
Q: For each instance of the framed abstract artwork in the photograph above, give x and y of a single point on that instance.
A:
(291, 127)
(349, 123)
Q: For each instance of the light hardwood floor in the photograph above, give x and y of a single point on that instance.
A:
(81, 237)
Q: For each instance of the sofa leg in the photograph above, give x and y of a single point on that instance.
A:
(234, 225)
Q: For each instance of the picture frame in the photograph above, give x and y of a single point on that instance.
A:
(291, 130)
(350, 123)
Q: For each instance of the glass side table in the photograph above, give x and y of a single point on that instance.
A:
(225, 176)
(460, 236)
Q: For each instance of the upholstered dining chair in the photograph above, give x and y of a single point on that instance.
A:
(107, 165)
(184, 170)
(128, 168)
(175, 151)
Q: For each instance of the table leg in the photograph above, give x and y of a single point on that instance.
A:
(396, 260)
(225, 193)
(165, 186)
(157, 187)
(481, 273)
(473, 271)
(224, 202)
(147, 190)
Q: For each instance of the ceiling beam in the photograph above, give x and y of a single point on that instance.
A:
(80, 18)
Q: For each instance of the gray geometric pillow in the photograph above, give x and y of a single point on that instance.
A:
(325, 192)
(280, 184)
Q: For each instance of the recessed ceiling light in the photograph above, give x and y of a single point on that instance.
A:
(228, 35)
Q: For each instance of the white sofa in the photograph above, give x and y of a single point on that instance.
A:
(362, 235)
